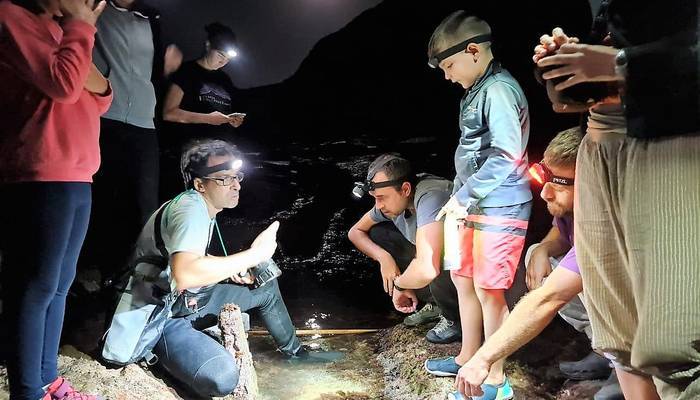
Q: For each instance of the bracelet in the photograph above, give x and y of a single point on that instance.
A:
(397, 287)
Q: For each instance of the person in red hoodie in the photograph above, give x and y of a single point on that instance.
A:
(52, 99)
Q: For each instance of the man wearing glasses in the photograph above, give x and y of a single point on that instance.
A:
(183, 229)
(558, 292)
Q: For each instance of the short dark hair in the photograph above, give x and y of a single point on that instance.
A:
(394, 167)
(220, 36)
(455, 28)
(196, 154)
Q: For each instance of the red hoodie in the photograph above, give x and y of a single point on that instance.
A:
(49, 124)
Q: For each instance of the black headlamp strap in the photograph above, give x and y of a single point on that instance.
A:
(378, 185)
(437, 58)
(550, 177)
(205, 171)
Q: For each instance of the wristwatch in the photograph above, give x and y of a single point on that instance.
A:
(397, 287)
(621, 63)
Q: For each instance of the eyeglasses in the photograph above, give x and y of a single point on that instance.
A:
(542, 174)
(226, 180)
(435, 60)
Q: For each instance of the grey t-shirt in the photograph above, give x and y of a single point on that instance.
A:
(185, 226)
(432, 192)
(124, 53)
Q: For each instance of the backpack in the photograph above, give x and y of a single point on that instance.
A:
(144, 306)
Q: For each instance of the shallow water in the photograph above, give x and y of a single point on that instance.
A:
(356, 375)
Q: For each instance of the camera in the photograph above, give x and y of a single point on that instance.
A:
(263, 273)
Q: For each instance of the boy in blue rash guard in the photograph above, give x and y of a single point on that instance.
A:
(487, 215)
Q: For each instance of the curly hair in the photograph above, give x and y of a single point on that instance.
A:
(196, 155)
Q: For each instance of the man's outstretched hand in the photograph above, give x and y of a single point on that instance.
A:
(266, 243)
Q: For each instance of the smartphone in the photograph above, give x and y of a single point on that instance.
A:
(236, 115)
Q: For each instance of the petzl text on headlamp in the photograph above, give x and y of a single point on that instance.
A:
(542, 174)
(435, 60)
(362, 188)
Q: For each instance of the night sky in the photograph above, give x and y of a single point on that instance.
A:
(274, 35)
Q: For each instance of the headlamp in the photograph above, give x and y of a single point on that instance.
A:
(205, 171)
(542, 174)
(435, 60)
(362, 188)
(231, 53)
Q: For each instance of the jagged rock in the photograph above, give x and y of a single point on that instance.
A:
(233, 338)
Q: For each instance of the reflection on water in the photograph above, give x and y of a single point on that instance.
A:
(357, 376)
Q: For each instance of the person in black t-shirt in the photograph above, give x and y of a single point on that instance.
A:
(200, 100)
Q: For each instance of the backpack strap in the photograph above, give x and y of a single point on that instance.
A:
(160, 245)
(157, 260)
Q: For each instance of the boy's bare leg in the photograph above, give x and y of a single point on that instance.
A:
(470, 315)
(495, 311)
(636, 386)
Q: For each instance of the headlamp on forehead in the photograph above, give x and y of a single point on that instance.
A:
(435, 60)
(227, 48)
(230, 52)
(205, 171)
(542, 174)
(362, 188)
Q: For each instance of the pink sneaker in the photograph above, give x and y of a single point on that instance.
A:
(61, 389)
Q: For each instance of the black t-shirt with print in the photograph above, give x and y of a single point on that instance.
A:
(204, 91)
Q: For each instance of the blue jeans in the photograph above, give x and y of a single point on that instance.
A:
(43, 228)
(202, 363)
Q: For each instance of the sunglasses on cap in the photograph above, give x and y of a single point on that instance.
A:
(541, 174)
(435, 60)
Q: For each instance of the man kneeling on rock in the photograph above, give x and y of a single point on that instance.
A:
(400, 232)
(182, 229)
(560, 290)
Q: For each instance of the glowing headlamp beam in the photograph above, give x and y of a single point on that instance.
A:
(536, 175)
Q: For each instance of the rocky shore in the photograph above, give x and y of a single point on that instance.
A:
(387, 365)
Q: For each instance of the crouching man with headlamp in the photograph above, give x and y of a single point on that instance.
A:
(190, 284)
(400, 232)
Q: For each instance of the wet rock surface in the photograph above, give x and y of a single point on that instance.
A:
(532, 371)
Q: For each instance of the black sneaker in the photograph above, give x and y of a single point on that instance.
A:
(445, 331)
(593, 366)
